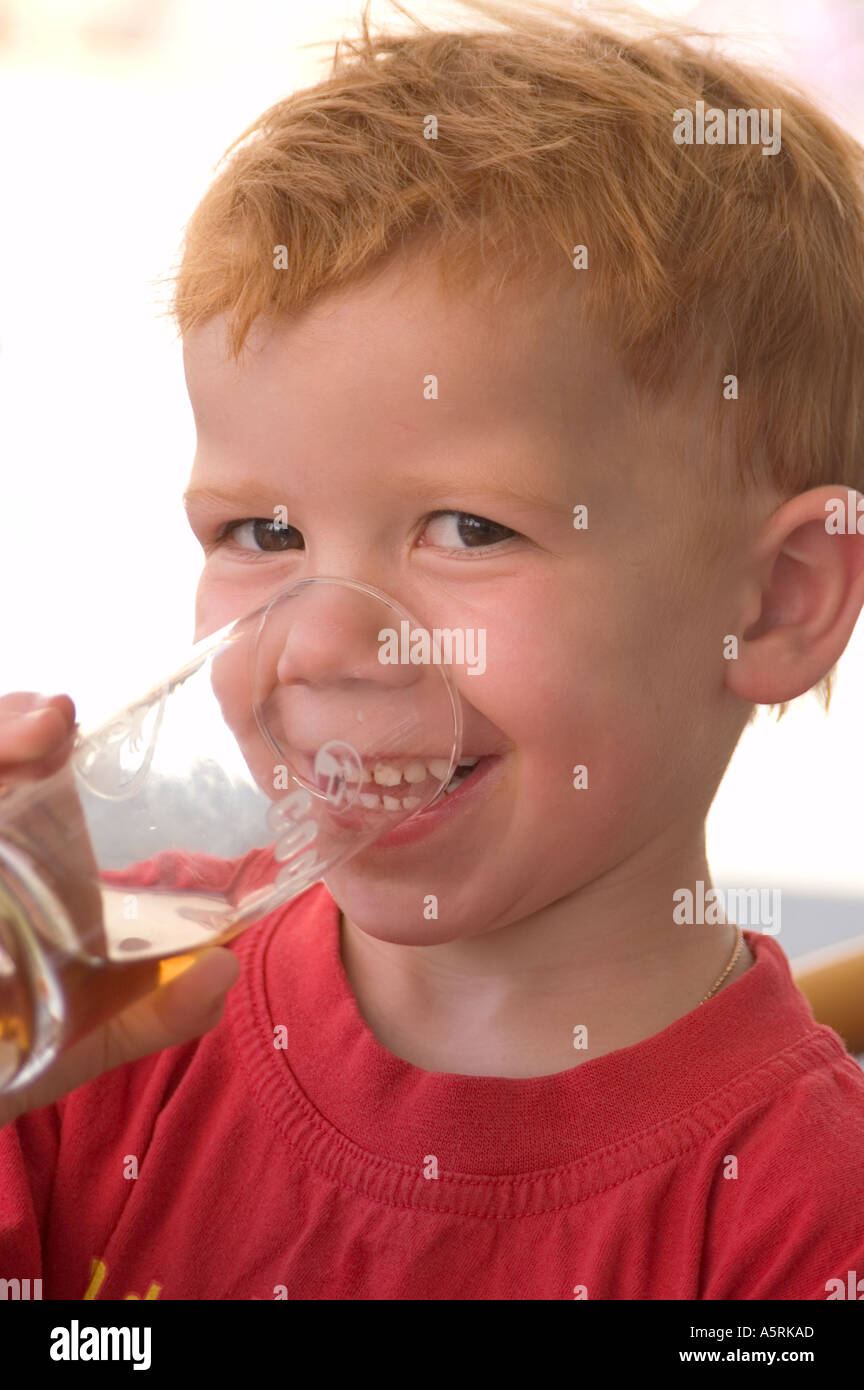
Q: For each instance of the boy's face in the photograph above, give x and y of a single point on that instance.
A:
(597, 655)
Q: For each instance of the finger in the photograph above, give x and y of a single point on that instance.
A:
(32, 734)
(177, 1012)
(183, 1009)
(20, 701)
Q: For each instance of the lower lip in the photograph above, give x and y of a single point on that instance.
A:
(419, 826)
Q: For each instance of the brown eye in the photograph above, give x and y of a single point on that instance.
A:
(265, 535)
(464, 531)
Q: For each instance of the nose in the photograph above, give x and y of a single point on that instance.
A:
(310, 674)
(329, 634)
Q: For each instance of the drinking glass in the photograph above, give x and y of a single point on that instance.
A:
(281, 747)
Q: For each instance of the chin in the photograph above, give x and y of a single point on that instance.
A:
(395, 912)
(388, 916)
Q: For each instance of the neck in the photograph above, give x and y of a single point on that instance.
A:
(608, 959)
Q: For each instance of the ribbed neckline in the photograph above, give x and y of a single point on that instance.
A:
(372, 1120)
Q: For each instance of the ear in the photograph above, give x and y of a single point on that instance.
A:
(805, 592)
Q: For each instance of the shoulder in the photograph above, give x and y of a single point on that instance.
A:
(786, 1213)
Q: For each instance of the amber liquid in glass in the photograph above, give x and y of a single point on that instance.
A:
(91, 993)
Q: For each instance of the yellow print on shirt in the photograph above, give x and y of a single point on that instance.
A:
(98, 1271)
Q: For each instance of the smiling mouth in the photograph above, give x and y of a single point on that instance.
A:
(393, 784)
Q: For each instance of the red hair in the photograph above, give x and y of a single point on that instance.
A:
(554, 129)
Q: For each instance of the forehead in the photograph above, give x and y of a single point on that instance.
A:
(392, 373)
(385, 349)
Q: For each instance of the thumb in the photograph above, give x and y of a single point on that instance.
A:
(189, 1004)
(184, 1008)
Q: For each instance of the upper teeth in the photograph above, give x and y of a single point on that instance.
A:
(387, 774)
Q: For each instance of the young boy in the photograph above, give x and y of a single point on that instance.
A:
(508, 345)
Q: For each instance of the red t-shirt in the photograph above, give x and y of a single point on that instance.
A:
(722, 1158)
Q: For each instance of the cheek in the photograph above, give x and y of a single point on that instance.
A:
(590, 788)
(217, 604)
(209, 607)
(589, 685)
(555, 667)
(222, 598)
(527, 659)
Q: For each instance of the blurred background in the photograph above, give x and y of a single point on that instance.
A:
(113, 115)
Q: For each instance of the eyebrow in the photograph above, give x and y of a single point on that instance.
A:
(218, 497)
(521, 496)
(244, 497)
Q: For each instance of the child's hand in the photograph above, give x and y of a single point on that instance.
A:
(176, 1012)
(37, 736)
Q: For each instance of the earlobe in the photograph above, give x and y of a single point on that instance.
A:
(810, 572)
